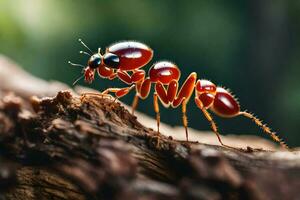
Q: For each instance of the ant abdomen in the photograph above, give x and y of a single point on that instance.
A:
(224, 104)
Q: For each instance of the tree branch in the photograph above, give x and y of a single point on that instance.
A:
(74, 147)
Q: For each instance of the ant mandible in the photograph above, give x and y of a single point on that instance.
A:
(123, 60)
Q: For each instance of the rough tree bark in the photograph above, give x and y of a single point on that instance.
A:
(74, 147)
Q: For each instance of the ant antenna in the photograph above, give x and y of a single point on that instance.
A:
(85, 45)
(86, 53)
(74, 64)
(78, 79)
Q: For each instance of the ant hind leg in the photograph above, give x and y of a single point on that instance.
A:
(212, 122)
(214, 127)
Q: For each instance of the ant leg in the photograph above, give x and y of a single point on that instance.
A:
(156, 109)
(106, 72)
(211, 121)
(186, 90)
(124, 76)
(265, 128)
(213, 125)
(143, 88)
(162, 94)
(83, 95)
(138, 76)
(135, 103)
(172, 90)
(113, 76)
(184, 119)
(119, 92)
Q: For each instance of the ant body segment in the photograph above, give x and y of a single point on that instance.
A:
(124, 60)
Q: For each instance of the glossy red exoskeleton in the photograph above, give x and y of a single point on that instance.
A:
(124, 60)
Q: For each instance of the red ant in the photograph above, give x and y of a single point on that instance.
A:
(126, 57)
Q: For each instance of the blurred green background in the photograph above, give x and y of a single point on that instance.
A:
(251, 47)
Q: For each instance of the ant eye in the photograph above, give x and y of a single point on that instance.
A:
(111, 60)
(94, 61)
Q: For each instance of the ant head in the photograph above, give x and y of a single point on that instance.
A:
(111, 60)
(95, 61)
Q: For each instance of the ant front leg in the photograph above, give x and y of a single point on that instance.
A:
(106, 72)
(124, 76)
(109, 73)
(119, 92)
(103, 72)
(143, 88)
(138, 77)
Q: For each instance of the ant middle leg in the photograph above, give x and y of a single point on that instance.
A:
(156, 109)
(184, 118)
